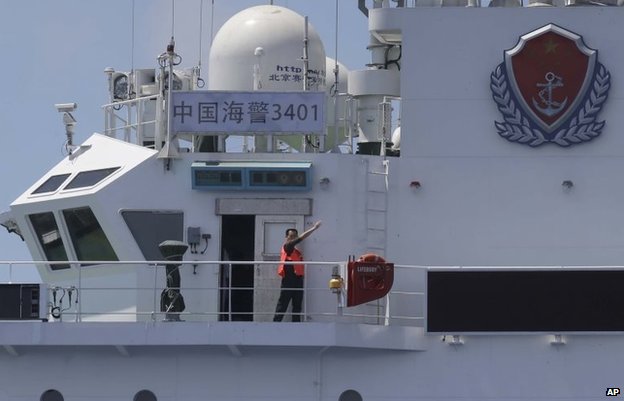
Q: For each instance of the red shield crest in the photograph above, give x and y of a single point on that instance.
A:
(550, 71)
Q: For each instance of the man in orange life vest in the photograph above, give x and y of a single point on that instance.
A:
(292, 274)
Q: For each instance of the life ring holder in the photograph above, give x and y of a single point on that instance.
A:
(371, 258)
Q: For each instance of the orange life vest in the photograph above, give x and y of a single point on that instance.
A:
(295, 256)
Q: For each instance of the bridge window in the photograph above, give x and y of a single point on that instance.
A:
(90, 178)
(87, 236)
(151, 227)
(49, 237)
(51, 184)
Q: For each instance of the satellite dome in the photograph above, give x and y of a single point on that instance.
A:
(396, 138)
(265, 41)
(343, 76)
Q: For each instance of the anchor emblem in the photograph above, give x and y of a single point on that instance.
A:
(552, 107)
(550, 87)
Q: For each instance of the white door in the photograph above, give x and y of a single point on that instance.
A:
(269, 238)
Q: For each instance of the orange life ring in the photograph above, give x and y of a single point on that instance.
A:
(371, 257)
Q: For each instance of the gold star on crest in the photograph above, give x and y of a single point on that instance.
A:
(550, 46)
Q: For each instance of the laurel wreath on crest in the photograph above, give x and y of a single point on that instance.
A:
(583, 127)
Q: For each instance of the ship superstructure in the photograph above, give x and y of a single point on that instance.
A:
(496, 204)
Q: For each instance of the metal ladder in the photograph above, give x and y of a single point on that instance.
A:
(376, 205)
(376, 225)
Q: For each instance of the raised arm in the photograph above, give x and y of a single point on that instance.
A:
(309, 231)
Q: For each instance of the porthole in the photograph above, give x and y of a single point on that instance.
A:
(350, 395)
(145, 395)
(52, 395)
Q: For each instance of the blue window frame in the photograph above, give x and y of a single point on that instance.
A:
(252, 176)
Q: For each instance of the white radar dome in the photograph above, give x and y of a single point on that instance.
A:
(262, 48)
(335, 135)
(396, 138)
(343, 76)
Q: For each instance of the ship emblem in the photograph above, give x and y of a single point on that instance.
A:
(550, 88)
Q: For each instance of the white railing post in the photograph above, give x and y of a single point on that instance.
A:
(304, 310)
(387, 314)
(155, 309)
(229, 286)
(139, 123)
(79, 293)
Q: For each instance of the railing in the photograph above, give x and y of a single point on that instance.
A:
(133, 290)
(135, 125)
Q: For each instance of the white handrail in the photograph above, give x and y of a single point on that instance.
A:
(319, 301)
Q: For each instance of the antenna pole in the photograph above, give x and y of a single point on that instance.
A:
(170, 58)
(306, 138)
(199, 82)
(211, 23)
(167, 60)
(201, 26)
(305, 55)
(172, 18)
(336, 71)
(132, 55)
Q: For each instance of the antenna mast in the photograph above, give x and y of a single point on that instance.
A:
(167, 61)
(132, 51)
(199, 82)
(172, 18)
(334, 93)
(305, 55)
(211, 23)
